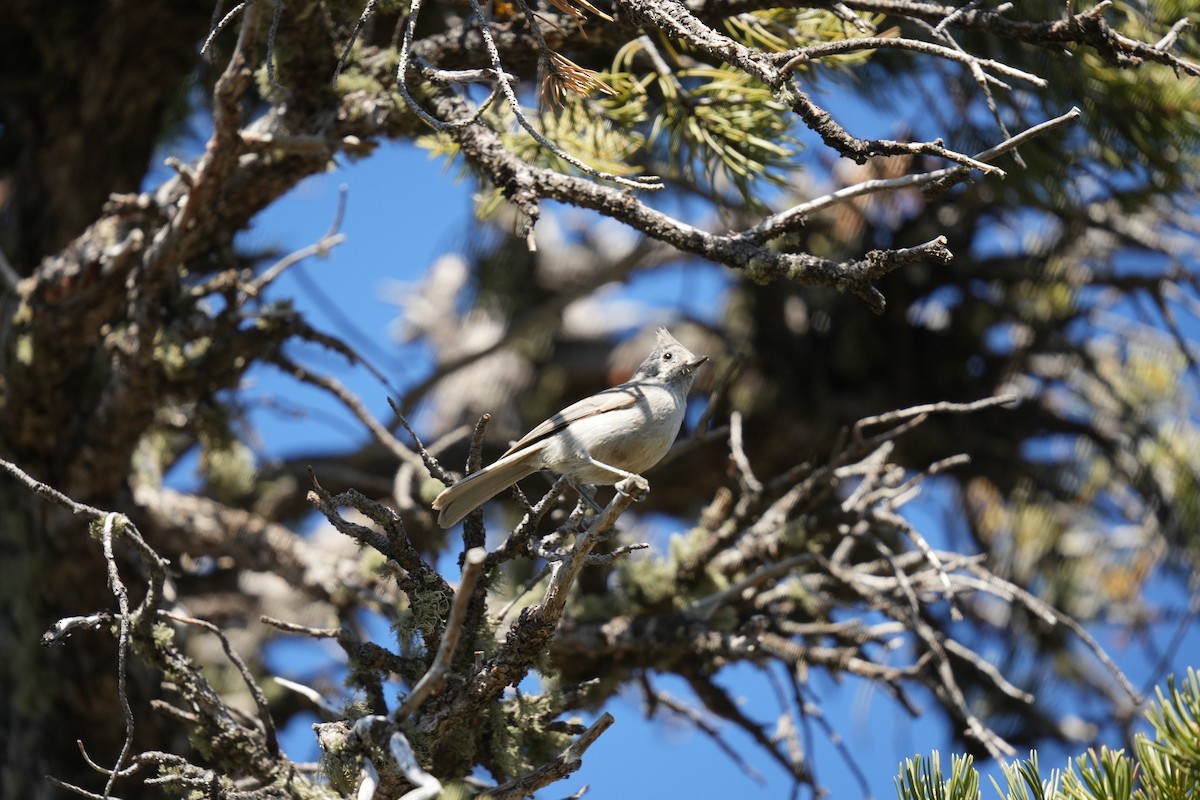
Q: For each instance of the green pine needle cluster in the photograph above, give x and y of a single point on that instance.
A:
(715, 122)
(1166, 767)
(922, 779)
(726, 126)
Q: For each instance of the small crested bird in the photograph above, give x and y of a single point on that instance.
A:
(601, 439)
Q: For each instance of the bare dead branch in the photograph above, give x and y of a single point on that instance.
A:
(930, 408)
(780, 223)
(793, 58)
(569, 761)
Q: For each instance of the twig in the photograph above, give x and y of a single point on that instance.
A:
(220, 26)
(320, 248)
(654, 697)
(358, 26)
(426, 785)
(133, 767)
(916, 538)
(796, 57)
(303, 630)
(267, 141)
(60, 631)
(312, 695)
(1033, 603)
(947, 684)
(930, 408)
(675, 19)
(394, 544)
(527, 587)
(272, 35)
(473, 534)
(567, 762)
(604, 559)
(485, 150)
(438, 671)
(988, 669)
(536, 626)
(704, 607)
(256, 692)
(984, 81)
(661, 67)
(113, 524)
(402, 86)
(519, 541)
(738, 451)
(475, 453)
(351, 401)
(47, 492)
(368, 783)
(431, 463)
(719, 702)
(73, 789)
(1168, 41)
(563, 573)
(839, 743)
(117, 587)
(784, 221)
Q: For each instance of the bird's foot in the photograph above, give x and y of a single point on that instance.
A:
(634, 486)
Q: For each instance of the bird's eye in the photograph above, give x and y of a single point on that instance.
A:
(667, 356)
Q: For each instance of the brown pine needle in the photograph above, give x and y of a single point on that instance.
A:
(563, 75)
(571, 7)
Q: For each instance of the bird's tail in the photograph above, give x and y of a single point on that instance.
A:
(477, 488)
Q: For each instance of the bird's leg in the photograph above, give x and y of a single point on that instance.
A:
(640, 485)
(588, 493)
(610, 468)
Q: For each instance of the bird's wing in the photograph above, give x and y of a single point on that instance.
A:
(622, 396)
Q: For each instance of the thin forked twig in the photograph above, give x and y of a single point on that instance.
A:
(930, 408)
(352, 402)
(320, 248)
(782, 222)
(260, 699)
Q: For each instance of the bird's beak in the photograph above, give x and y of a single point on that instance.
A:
(693, 364)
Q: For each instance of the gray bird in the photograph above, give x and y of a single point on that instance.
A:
(601, 439)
